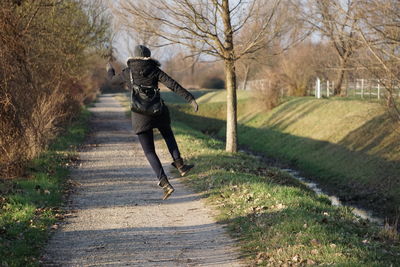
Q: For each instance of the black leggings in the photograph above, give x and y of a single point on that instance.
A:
(146, 139)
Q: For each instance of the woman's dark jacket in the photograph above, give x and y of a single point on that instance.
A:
(146, 72)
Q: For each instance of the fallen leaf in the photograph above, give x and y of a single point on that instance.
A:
(280, 206)
(310, 262)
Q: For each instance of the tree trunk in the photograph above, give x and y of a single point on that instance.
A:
(339, 81)
(230, 80)
(231, 107)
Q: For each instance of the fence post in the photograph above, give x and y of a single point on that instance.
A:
(327, 88)
(362, 88)
(318, 89)
(315, 88)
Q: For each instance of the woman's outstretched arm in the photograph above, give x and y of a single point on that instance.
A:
(174, 86)
(112, 78)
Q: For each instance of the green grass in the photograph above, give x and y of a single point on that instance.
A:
(30, 206)
(276, 219)
(171, 97)
(350, 147)
(202, 96)
(216, 96)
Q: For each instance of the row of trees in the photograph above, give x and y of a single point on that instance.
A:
(48, 55)
(284, 38)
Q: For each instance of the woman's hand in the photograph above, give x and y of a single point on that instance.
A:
(194, 105)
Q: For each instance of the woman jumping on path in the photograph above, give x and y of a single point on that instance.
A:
(144, 71)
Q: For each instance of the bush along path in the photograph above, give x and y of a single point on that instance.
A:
(278, 220)
(117, 215)
(29, 207)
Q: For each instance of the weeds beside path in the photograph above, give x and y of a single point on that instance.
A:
(29, 206)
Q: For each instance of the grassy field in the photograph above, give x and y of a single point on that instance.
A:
(349, 146)
(29, 207)
(278, 221)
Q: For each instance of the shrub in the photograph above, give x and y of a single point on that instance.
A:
(45, 75)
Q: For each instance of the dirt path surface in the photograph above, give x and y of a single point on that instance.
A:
(118, 216)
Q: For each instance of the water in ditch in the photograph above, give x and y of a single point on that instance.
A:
(334, 199)
(362, 213)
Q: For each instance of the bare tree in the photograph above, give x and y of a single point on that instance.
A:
(209, 27)
(297, 68)
(335, 20)
(379, 28)
(139, 30)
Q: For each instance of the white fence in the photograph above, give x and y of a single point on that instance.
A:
(263, 85)
(254, 85)
(363, 88)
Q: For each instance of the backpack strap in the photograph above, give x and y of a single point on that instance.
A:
(132, 84)
(138, 88)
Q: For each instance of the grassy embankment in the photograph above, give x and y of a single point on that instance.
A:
(275, 218)
(349, 146)
(29, 207)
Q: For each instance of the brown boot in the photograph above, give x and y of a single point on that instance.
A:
(166, 186)
(182, 168)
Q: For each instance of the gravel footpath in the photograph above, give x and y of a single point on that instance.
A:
(118, 217)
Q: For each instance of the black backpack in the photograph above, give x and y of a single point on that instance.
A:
(145, 100)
